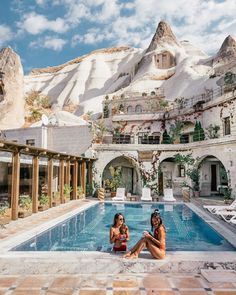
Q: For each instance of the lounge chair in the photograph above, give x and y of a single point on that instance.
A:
(227, 214)
(120, 194)
(233, 220)
(146, 194)
(168, 195)
(214, 208)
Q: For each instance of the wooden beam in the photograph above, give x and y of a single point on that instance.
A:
(67, 176)
(83, 176)
(75, 180)
(90, 173)
(61, 181)
(35, 184)
(50, 180)
(15, 184)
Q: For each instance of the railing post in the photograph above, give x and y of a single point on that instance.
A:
(15, 183)
(35, 184)
(75, 180)
(50, 180)
(61, 180)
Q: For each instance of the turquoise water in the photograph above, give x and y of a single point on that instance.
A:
(89, 230)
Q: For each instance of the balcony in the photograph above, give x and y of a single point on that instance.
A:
(122, 139)
(149, 139)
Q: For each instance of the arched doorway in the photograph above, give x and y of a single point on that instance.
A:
(129, 174)
(166, 174)
(214, 176)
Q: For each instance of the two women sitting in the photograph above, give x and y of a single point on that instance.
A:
(155, 242)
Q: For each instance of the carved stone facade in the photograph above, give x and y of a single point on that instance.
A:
(164, 60)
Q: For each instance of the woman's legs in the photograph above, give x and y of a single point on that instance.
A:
(155, 251)
(138, 247)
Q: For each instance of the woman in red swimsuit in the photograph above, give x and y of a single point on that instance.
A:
(156, 243)
(119, 233)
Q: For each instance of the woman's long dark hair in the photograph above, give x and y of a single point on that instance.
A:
(116, 217)
(157, 215)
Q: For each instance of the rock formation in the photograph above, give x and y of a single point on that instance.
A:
(11, 90)
(227, 50)
(163, 35)
(156, 52)
(225, 59)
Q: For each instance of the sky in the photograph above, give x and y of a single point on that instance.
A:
(51, 32)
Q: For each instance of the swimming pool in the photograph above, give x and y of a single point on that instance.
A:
(89, 230)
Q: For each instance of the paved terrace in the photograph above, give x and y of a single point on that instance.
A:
(106, 273)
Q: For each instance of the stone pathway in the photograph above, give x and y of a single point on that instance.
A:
(122, 284)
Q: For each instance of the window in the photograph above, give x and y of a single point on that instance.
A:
(129, 110)
(181, 171)
(138, 109)
(227, 126)
(30, 142)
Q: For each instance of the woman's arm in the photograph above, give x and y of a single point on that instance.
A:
(113, 236)
(127, 234)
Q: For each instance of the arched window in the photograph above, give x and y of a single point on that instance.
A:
(138, 109)
(1, 90)
(129, 109)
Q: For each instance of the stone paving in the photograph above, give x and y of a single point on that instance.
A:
(122, 284)
(99, 284)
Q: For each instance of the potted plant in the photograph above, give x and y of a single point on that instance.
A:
(25, 205)
(89, 190)
(176, 131)
(227, 192)
(43, 202)
(227, 189)
(5, 214)
(56, 199)
(80, 192)
(67, 191)
(116, 180)
(192, 171)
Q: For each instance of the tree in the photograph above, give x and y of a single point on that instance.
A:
(176, 129)
(166, 139)
(192, 167)
(198, 133)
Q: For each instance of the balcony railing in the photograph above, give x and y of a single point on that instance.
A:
(149, 139)
(122, 139)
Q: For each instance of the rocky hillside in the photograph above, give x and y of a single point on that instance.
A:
(11, 90)
(178, 67)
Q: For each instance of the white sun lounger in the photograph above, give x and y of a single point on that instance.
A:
(146, 194)
(214, 208)
(233, 220)
(120, 194)
(227, 215)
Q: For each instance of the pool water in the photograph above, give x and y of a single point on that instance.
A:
(89, 230)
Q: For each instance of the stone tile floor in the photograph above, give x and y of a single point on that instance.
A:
(97, 284)
(121, 284)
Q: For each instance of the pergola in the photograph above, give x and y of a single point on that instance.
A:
(66, 175)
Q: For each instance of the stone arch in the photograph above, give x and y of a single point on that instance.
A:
(214, 176)
(129, 109)
(138, 108)
(166, 176)
(131, 179)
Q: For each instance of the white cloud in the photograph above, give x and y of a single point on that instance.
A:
(55, 44)
(48, 42)
(93, 36)
(36, 24)
(133, 22)
(5, 34)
